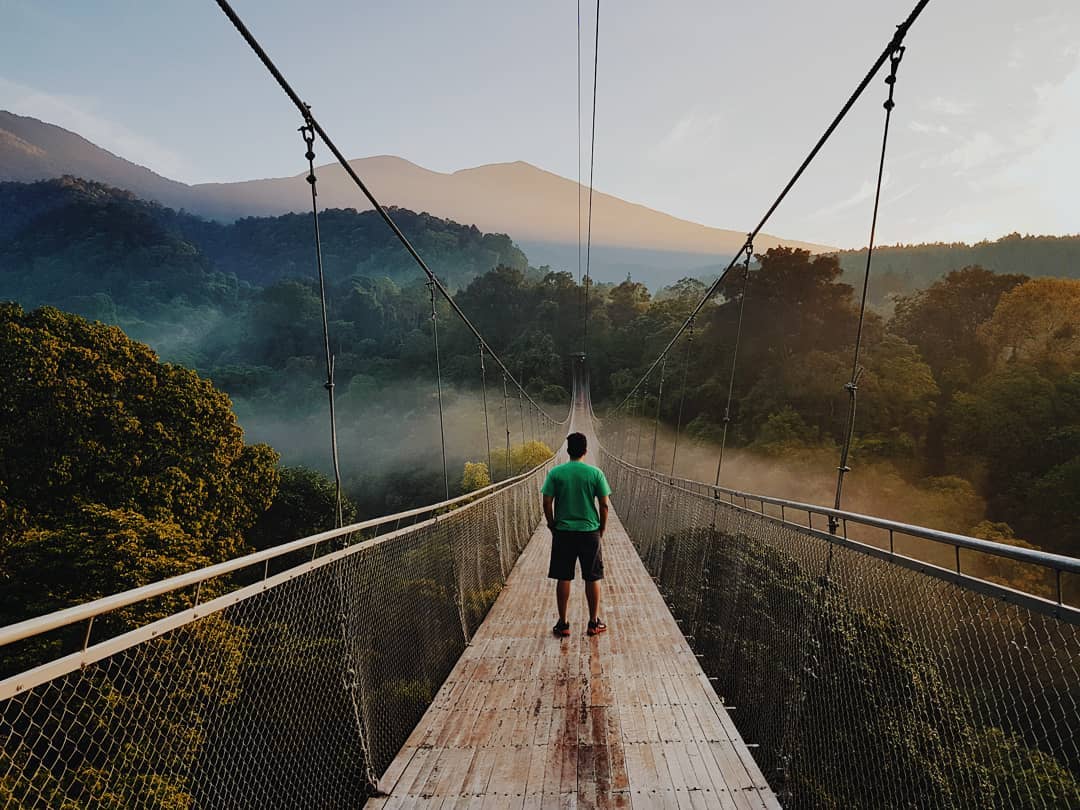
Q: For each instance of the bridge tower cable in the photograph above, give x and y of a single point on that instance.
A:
(894, 43)
(682, 397)
(640, 422)
(308, 134)
(487, 429)
(506, 418)
(581, 306)
(305, 111)
(735, 355)
(592, 166)
(521, 405)
(852, 386)
(438, 387)
(656, 421)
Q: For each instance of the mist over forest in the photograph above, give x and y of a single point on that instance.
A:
(969, 406)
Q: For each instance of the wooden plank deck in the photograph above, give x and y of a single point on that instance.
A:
(626, 719)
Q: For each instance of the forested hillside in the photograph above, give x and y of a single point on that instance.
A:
(970, 399)
(902, 269)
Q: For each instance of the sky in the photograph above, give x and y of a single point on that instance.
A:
(704, 108)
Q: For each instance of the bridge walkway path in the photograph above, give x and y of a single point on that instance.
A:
(626, 719)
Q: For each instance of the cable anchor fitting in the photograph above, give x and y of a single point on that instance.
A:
(307, 132)
(890, 80)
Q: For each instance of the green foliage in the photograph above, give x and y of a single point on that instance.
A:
(475, 476)
(942, 321)
(305, 504)
(524, 457)
(902, 269)
(115, 469)
(852, 677)
(784, 431)
(965, 375)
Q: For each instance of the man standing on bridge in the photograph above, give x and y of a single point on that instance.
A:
(571, 492)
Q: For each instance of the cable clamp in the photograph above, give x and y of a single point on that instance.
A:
(851, 387)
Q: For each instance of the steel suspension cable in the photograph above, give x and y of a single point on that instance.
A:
(894, 44)
(308, 134)
(682, 396)
(592, 166)
(640, 408)
(521, 412)
(305, 111)
(852, 387)
(734, 360)
(579, 150)
(506, 417)
(656, 423)
(487, 429)
(438, 387)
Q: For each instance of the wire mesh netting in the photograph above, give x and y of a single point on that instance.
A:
(862, 682)
(293, 692)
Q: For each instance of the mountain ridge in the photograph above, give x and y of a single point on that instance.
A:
(527, 202)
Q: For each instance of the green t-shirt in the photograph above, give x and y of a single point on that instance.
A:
(575, 486)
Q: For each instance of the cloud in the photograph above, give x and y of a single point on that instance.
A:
(948, 106)
(76, 114)
(694, 131)
(863, 195)
(972, 153)
(929, 129)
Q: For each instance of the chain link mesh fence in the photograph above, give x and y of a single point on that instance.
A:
(863, 683)
(294, 691)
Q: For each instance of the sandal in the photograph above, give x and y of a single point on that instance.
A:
(561, 629)
(596, 627)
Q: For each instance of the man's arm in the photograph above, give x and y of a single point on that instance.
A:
(549, 511)
(603, 513)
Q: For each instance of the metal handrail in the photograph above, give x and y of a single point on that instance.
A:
(89, 610)
(1055, 562)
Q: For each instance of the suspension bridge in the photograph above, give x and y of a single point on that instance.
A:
(762, 652)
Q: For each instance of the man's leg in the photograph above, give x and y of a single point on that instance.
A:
(562, 597)
(592, 596)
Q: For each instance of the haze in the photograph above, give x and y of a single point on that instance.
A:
(704, 108)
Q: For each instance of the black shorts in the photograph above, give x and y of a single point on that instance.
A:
(569, 547)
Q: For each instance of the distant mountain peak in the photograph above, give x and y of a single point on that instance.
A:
(531, 204)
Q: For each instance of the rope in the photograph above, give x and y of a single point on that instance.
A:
(734, 359)
(521, 411)
(308, 134)
(506, 416)
(894, 44)
(592, 165)
(852, 386)
(682, 397)
(579, 150)
(656, 423)
(258, 50)
(352, 684)
(483, 388)
(438, 387)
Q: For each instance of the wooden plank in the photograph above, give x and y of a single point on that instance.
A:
(625, 719)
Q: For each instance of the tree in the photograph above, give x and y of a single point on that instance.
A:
(943, 319)
(475, 476)
(140, 466)
(305, 504)
(1037, 323)
(897, 394)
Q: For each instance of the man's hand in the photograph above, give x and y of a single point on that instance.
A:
(549, 511)
(603, 513)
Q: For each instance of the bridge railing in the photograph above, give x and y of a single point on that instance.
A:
(290, 676)
(863, 674)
